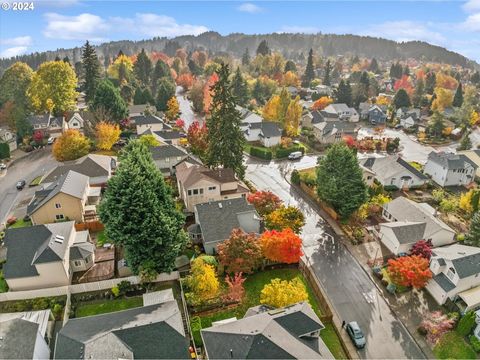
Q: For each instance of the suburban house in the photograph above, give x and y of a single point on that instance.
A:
(324, 90)
(215, 220)
(376, 115)
(198, 184)
(330, 132)
(268, 133)
(98, 168)
(167, 157)
(310, 118)
(394, 171)
(343, 112)
(23, 335)
(456, 275)
(43, 256)
(247, 117)
(448, 169)
(368, 175)
(143, 109)
(474, 156)
(292, 332)
(68, 198)
(404, 113)
(77, 120)
(147, 122)
(408, 222)
(172, 137)
(8, 137)
(48, 124)
(153, 331)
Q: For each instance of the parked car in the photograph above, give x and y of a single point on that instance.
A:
(295, 155)
(50, 140)
(21, 184)
(3, 166)
(356, 334)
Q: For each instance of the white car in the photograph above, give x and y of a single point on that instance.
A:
(3, 166)
(50, 140)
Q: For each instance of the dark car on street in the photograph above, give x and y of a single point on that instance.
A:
(356, 334)
(21, 184)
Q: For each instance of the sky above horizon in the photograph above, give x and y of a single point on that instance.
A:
(55, 24)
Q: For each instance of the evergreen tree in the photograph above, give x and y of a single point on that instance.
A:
(57, 58)
(143, 68)
(161, 70)
(91, 71)
(430, 81)
(401, 99)
(120, 53)
(225, 138)
(257, 92)
(466, 324)
(66, 59)
(309, 74)
(475, 78)
(466, 143)
(290, 66)
(194, 68)
(326, 76)
(436, 125)
(165, 91)
(472, 238)
(339, 180)
(108, 99)
(344, 93)
(246, 58)
(458, 98)
(419, 93)
(263, 48)
(406, 70)
(151, 234)
(373, 67)
(239, 88)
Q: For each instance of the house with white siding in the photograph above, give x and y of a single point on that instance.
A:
(448, 169)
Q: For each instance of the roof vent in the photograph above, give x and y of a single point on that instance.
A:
(59, 239)
(220, 205)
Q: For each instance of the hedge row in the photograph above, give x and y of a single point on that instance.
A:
(282, 153)
(261, 153)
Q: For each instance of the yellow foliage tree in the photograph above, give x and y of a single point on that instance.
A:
(445, 81)
(383, 100)
(292, 117)
(474, 118)
(173, 109)
(290, 79)
(270, 110)
(447, 131)
(53, 87)
(121, 68)
(70, 146)
(465, 202)
(279, 293)
(107, 135)
(149, 140)
(203, 280)
(443, 99)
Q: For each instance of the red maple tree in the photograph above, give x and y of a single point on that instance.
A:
(422, 248)
(185, 81)
(283, 246)
(240, 253)
(404, 83)
(265, 202)
(410, 271)
(197, 138)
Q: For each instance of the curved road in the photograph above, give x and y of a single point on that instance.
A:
(187, 114)
(351, 291)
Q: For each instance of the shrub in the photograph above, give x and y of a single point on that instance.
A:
(284, 152)
(475, 343)
(4, 151)
(261, 153)
(57, 311)
(295, 177)
(115, 291)
(124, 286)
(466, 324)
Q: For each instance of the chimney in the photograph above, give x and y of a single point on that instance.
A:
(231, 353)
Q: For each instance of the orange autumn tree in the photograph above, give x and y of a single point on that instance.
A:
(409, 271)
(322, 103)
(185, 81)
(445, 81)
(282, 246)
(265, 202)
(106, 134)
(241, 252)
(207, 92)
(70, 146)
(404, 83)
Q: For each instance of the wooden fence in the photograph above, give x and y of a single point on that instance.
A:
(313, 195)
(94, 226)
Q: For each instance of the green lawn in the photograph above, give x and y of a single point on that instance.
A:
(453, 346)
(102, 238)
(21, 223)
(107, 306)
(36, 181)
(253, 286)
(3, 283)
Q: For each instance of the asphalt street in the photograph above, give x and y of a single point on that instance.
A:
(27, 168)
(352, 292)
(187, 114)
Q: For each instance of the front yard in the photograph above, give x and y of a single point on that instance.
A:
(253, 286)
(453, 346)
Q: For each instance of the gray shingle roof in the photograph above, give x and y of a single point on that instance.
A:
(18, 339)
(170, 135)
(217, 219)
(168, 151)
(42, 120)
(267, 334)
(148, 332)
(91, 165)
(270, 129)
(146, 119)
(33, 245)
(407, 232)
(467, 266)
(444, 282)
(389, 166)
(450, 161)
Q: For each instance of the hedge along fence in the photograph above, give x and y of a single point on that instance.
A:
(262, 153)
(313, 195)
(4, 151)
(94, 226)
(284, 152)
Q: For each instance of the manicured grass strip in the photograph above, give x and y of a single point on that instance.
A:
(21, 223)
(330, 338)
(453, 346)
(3, 283)
(102, 238)
(107, 306)
(36, 181)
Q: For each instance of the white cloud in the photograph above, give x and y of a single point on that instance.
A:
(17, 41)
(405, 30)
(157, 25)
(81, 27)
(299, 29)
(13, 51)
(471, 23)
(249, 8)
(471, 6)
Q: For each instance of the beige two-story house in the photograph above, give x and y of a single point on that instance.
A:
(43, 256)
(68, 198)
(198, 184)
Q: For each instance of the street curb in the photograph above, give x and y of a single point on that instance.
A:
(328, 219)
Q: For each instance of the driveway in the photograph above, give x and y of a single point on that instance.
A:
(34, 164)
(351, 291)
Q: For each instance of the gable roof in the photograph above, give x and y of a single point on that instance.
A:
(40, 120)
(334, 126)
(149, 332)
(33, 245)
(217, 219)
(247, 116)
(270, 129)
(134, 109)
(71, 183)
(451, 161)
(146, 119)
(91, 165)
(268, 334)
(167, 151)
(339, 108)
(465, 259)
(189, 173)
(170, 134)
(389, 166)
(406, 232)
(444, 282)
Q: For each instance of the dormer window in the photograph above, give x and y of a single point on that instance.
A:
(451, 273)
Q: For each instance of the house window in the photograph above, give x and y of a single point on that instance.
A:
(58, 206)
(195, 191)
(77, 263)
(369, 177)
(59, 217)
(211, 188)
(75, 124)
(201, 191)
(189, 192)
(451, 273)
(88, 259)
(179, 158)
(167, 160)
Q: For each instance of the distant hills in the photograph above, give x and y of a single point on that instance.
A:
(291, 45)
